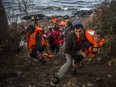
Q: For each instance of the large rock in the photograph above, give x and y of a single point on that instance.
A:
(35, 16)
(82, 12)
(66, 17)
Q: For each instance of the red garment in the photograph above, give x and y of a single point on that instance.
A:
(61, 41)
(47, 34)
(55, 35)
(80, 40)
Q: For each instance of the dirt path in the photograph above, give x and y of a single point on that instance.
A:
(94, 73)
(91, 74)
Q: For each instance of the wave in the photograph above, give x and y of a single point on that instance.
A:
(65, 7)
(86, 8)
(53, 8)
(72, 2)
(61, 8)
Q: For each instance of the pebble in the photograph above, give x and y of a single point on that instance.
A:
(69, 83)
(97, 79)
(90, 84)
(110, 63)
(29, 86)
(33, 86)
(21, 85)
(19, 73)
(99, 59)
(83, 85)
(109, 75)
(36, 67)
(46, 83)
(64, 85)
(55, 62)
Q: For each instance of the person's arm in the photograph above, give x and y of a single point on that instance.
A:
(68, 47)
(85, 46)
(102, 42)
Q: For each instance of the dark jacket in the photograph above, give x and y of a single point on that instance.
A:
(72, 46)
(68, 31)
(39, 45)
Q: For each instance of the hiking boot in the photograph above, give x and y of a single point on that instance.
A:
(77, 65)
(74, 71)
(54, 81)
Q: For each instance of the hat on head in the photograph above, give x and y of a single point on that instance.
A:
(76, 25)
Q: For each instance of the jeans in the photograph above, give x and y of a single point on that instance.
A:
(64, 68)
(69, 61)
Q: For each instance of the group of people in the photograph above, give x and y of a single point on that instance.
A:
(79, 43)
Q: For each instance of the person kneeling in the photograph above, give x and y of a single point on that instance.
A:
(36, 43)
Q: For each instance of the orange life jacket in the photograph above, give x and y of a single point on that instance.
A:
(90, 52)
(62, 22)
(32, 38)
(54, 20)
(89, 35)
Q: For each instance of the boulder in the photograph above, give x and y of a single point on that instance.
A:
(35, 16)
(82, 12)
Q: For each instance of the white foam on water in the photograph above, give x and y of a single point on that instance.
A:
(55, 7)
(86, 8)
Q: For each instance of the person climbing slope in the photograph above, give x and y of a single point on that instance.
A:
(72, 48)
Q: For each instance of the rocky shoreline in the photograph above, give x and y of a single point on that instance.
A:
(80, 13)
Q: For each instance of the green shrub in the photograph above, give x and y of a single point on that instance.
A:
(105, 20)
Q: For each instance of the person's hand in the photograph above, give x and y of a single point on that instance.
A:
(95, 50)
(84, 54)
(44, 35)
